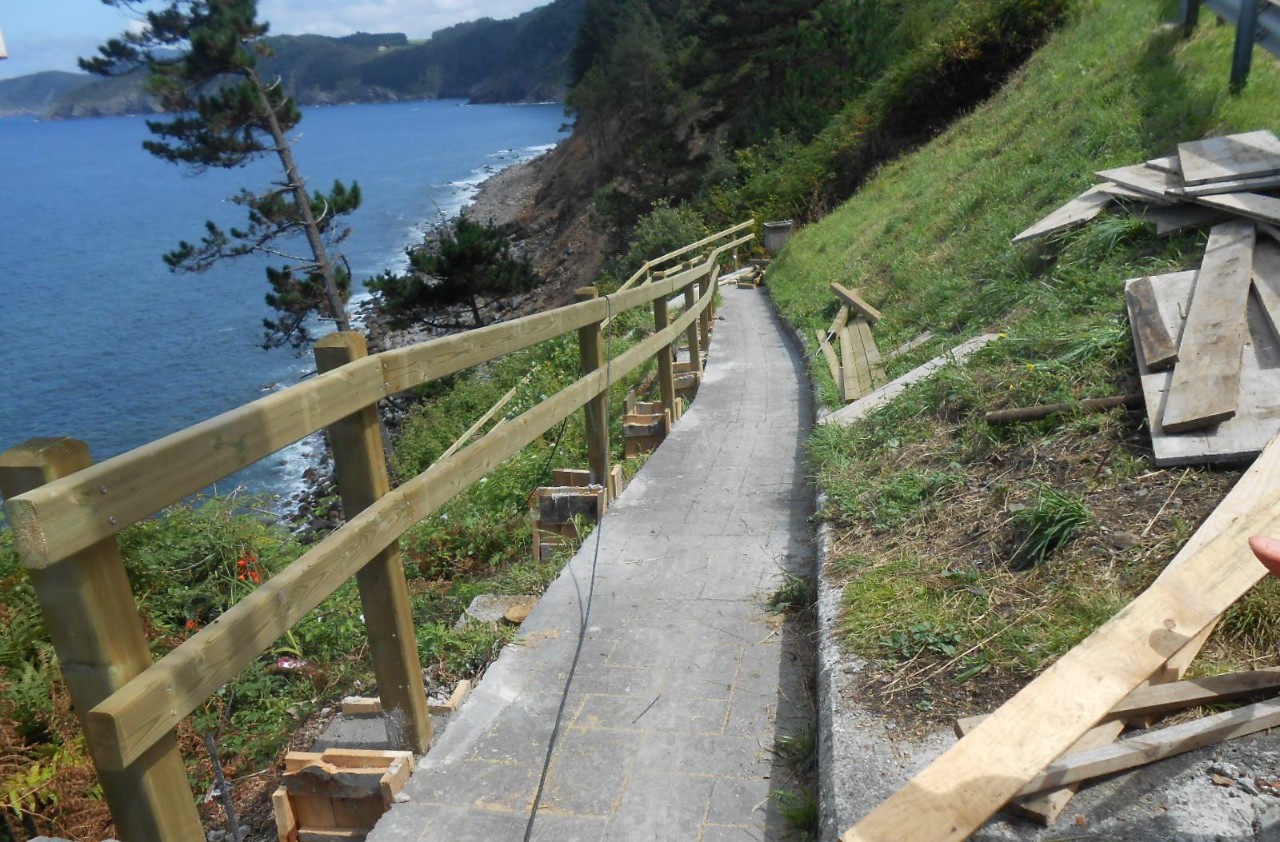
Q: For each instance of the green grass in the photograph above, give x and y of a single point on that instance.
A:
(935, 506)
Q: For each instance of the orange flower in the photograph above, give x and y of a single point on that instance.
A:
(193, 624)
(257, 580)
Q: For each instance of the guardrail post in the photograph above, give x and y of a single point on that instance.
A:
(1246, 34)
(666, 376)
(591, 345)
(707, 283)
(691, 335)
(1190, 17)
(360, 465)
(90, 614)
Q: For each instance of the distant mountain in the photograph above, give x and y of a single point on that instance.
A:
(523, 59)
(35, 94)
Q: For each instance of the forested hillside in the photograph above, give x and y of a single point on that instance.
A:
(523, 59)
(734, 108)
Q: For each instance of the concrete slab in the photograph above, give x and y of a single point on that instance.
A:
(685, 679)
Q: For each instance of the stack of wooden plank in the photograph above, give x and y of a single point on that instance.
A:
(1208, 341)
(856, 367)
(1204, 182)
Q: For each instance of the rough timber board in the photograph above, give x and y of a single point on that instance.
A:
(1230, 158)
(1205, 387)
(1258, 419)
(960, 790)
(1251, 205)
(1078, 211)
(1180, 218)
(1144, 179)
(1135, 196)
(1169, 164)
(1266, 281)
(1150, 334)
(1244, 185)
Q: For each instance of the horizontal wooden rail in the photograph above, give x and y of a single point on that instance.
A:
(650, 265)
(58, 519)
(124, 725)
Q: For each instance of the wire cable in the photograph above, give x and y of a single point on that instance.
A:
(584, 612)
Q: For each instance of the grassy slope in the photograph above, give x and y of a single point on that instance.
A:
(926, 494)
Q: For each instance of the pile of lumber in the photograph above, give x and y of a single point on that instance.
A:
(1208, 340)
(1204, 182)
(856, 367)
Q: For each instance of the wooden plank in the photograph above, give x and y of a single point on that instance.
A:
(134, 717)
(862, 331)
(1266, 281)
(1130, 195)
(841, 319)
(855, 302)
(1206, 383)
(910, 345)
(857, 375)
(282, 810)
(1172, 220)
(1157, 745)
(1150, 334)
(1246, 185)
(1230, 158)
(1240, 438)
(1145, 180)
(360, 469)
(1169, 164)
(863, 406)
(1250, 205)
(90, 614)
(960, 790)
(356, 706)
(833, 362)
(1155, 699)
(1078, 211)
(1046, 806)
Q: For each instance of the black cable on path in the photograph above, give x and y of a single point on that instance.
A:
(584, 612)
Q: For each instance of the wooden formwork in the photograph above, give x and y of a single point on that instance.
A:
(337, 795)
(556, 512)
(642, 432)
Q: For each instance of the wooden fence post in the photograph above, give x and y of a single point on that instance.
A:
(666, 377)
(691, 335)
(90, 614)
(1246, 34)
(704, 319)
(591, 345)
(1190, 17)
(360, 466)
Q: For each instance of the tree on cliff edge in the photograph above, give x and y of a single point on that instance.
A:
(201, 57)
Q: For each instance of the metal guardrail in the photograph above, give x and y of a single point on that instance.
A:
(1256, 22)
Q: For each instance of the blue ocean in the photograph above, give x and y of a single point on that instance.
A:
(100, 342)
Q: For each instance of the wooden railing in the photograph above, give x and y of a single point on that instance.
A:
(65, 512)
(1256, 22)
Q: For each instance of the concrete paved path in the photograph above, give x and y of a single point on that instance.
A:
(685, 679)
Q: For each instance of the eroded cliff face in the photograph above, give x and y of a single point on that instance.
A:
(546, 206)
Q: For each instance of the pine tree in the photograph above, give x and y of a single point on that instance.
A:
(202, 57)
(468, 262)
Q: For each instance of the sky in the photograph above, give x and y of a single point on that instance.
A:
(52, 34)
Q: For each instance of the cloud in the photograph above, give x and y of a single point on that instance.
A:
(415, 18)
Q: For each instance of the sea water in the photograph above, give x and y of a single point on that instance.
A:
(100, 342)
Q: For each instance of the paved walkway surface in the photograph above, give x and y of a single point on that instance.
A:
(685, 680)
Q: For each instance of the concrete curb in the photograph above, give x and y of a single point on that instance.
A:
(861, 762)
